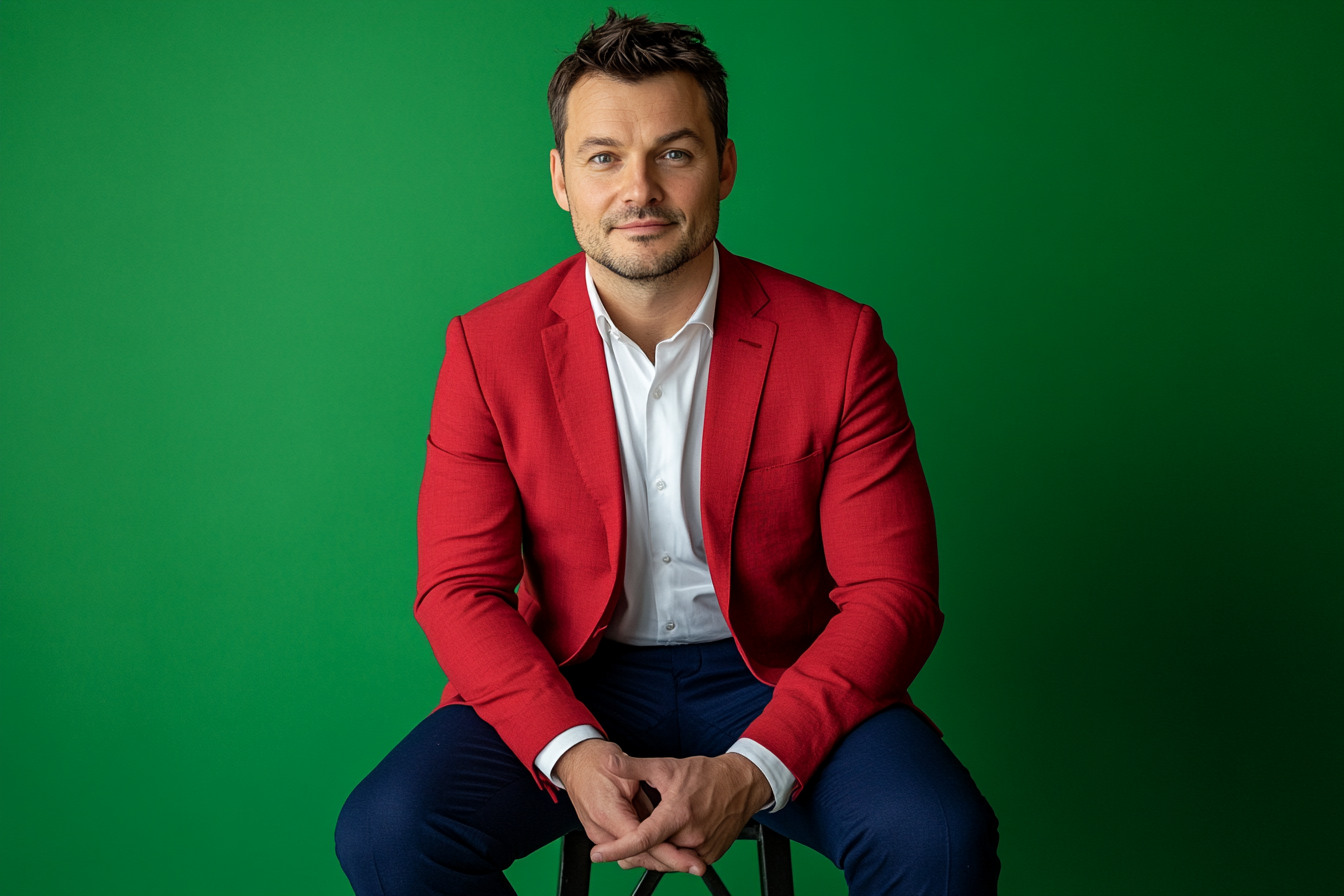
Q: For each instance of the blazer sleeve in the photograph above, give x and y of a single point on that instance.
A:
(878, 536)
(470, 542)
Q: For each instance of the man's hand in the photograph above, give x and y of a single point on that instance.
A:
(704, 803)
(610, 806)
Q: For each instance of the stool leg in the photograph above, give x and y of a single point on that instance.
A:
(776, 863)
(714, 882)
(576, 869)
(648, 881)
(773, 851)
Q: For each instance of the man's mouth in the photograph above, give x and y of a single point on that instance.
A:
(648, 223)
(643, 226)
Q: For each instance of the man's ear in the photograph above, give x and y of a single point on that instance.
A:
(727, 169)
(558, 180)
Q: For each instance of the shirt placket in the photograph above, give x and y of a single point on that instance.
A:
(638, 374)
(664, 449)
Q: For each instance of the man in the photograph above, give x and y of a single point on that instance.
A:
(699, 474)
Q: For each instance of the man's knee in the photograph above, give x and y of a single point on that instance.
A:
(372, 824)
(384, 833)
(973, 845)
(940, 844)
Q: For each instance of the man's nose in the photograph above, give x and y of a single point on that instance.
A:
(640, 187)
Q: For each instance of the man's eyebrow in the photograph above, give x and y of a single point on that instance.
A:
(682, 134)
(599, 141)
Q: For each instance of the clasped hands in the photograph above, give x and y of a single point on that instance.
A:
(702, 804)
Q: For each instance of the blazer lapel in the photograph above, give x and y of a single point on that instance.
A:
(743, 344)
(578, 369)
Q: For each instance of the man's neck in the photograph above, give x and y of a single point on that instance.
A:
(649, 311)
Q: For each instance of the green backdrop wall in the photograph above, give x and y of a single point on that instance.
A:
(1107, 243)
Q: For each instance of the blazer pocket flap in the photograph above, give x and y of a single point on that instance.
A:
(772, 465)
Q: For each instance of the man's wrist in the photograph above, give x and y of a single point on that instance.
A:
(759, 793)
(573, 757)
(781, 780)
(550, 754)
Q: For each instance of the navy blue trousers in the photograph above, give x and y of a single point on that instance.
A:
(451, 807)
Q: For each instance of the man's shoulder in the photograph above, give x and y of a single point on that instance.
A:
(799, 299)
(524, 302)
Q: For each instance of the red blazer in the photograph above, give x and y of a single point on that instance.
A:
(817, 521)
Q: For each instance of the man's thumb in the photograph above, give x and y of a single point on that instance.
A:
(624, 766)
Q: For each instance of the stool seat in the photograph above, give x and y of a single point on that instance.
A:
(771, 848)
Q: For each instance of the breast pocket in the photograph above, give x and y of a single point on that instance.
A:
(779, 507)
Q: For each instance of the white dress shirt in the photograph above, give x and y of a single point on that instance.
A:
(660, 417)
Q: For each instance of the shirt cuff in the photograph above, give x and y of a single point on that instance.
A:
(780, 778)
(551, 753)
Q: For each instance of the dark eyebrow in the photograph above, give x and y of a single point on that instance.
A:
(683, 134)
(598, 141)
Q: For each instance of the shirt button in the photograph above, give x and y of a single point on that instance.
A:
(660, 485)
(667, 559)
(670, 626)
(658, 393)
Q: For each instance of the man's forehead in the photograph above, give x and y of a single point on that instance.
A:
(600, 105)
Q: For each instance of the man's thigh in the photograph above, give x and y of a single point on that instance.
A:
(445, 812)
(895, 810)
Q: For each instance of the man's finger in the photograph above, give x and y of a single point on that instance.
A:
(651, 831)
(675, 858)
(667, 858)
(712, 850)
(632, 767)
(644, 860)
(679, 858)
(596, 832)
(617, 815)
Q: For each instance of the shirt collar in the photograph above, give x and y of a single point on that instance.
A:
(703, 313)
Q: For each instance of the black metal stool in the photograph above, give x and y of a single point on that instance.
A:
(771, 848)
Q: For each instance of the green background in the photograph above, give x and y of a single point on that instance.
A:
(1106, 240)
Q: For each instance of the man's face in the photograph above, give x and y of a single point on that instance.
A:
(640, 178)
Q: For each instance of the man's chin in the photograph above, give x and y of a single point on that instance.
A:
(644, 267)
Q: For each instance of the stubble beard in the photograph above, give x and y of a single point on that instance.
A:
(596, 244)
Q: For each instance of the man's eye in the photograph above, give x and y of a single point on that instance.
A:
(602, 158)
(677, 155)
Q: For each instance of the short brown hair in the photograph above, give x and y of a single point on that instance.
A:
(632, 49)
